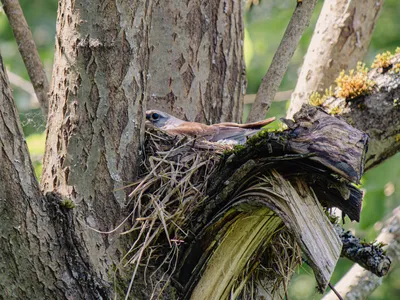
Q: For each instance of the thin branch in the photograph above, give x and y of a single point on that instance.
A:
(272, 80)
(335, 291)
(26, 86)
(279, 96)
(359, 283)
(370, 256)
(28, 50)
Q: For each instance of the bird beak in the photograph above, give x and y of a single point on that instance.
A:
(148, 116)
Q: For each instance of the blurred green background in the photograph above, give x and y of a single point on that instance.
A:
(265, 24)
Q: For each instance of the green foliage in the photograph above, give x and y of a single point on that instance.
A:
(36, 145)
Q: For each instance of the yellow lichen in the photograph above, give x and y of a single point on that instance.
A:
(382, 60)
(397, 138)
(396, 68)
(397, 51)
(335, 110)
(316, 99)
(354, 84)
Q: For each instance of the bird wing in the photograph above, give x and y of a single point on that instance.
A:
(231, 132)
(193, 129)
(254, 125)
(212, 133)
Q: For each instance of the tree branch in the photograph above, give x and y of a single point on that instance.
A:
(272, 80)
(341, 38)
(370, 256)
(359, 283)
(28, 50)
(377, 113)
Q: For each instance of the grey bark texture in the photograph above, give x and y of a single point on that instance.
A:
(22, 234)
(110, 60)
(196, 67)
(96, 110)
(341, 39)
(38, 254)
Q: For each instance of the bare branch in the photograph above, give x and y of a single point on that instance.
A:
(279, 96)
(24, 85)
(28, 50)
(358, 283)
(272, 80)
(341, 38)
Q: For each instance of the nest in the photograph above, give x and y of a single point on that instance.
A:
(210, 220)
(164, 212)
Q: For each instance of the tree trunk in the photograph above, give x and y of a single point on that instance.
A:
(196, 66)
(39, 259)
(110, 59)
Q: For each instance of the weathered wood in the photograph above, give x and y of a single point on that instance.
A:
(377, 113)
(231, 253)
(304, 169)
(297, 208)
(336, 144)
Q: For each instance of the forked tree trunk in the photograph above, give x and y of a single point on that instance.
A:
(111, 58)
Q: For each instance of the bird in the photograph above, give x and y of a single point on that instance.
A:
(228, 132)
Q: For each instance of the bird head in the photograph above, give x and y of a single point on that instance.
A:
(162, 120)
(158, 118)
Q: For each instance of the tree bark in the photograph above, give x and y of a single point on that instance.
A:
(39, 259)
(23, 238)
(94, 130)
(341, 38)
(196, 61)
(110, 59)
(377, 113)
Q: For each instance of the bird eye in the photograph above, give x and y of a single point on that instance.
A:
(155, 116)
